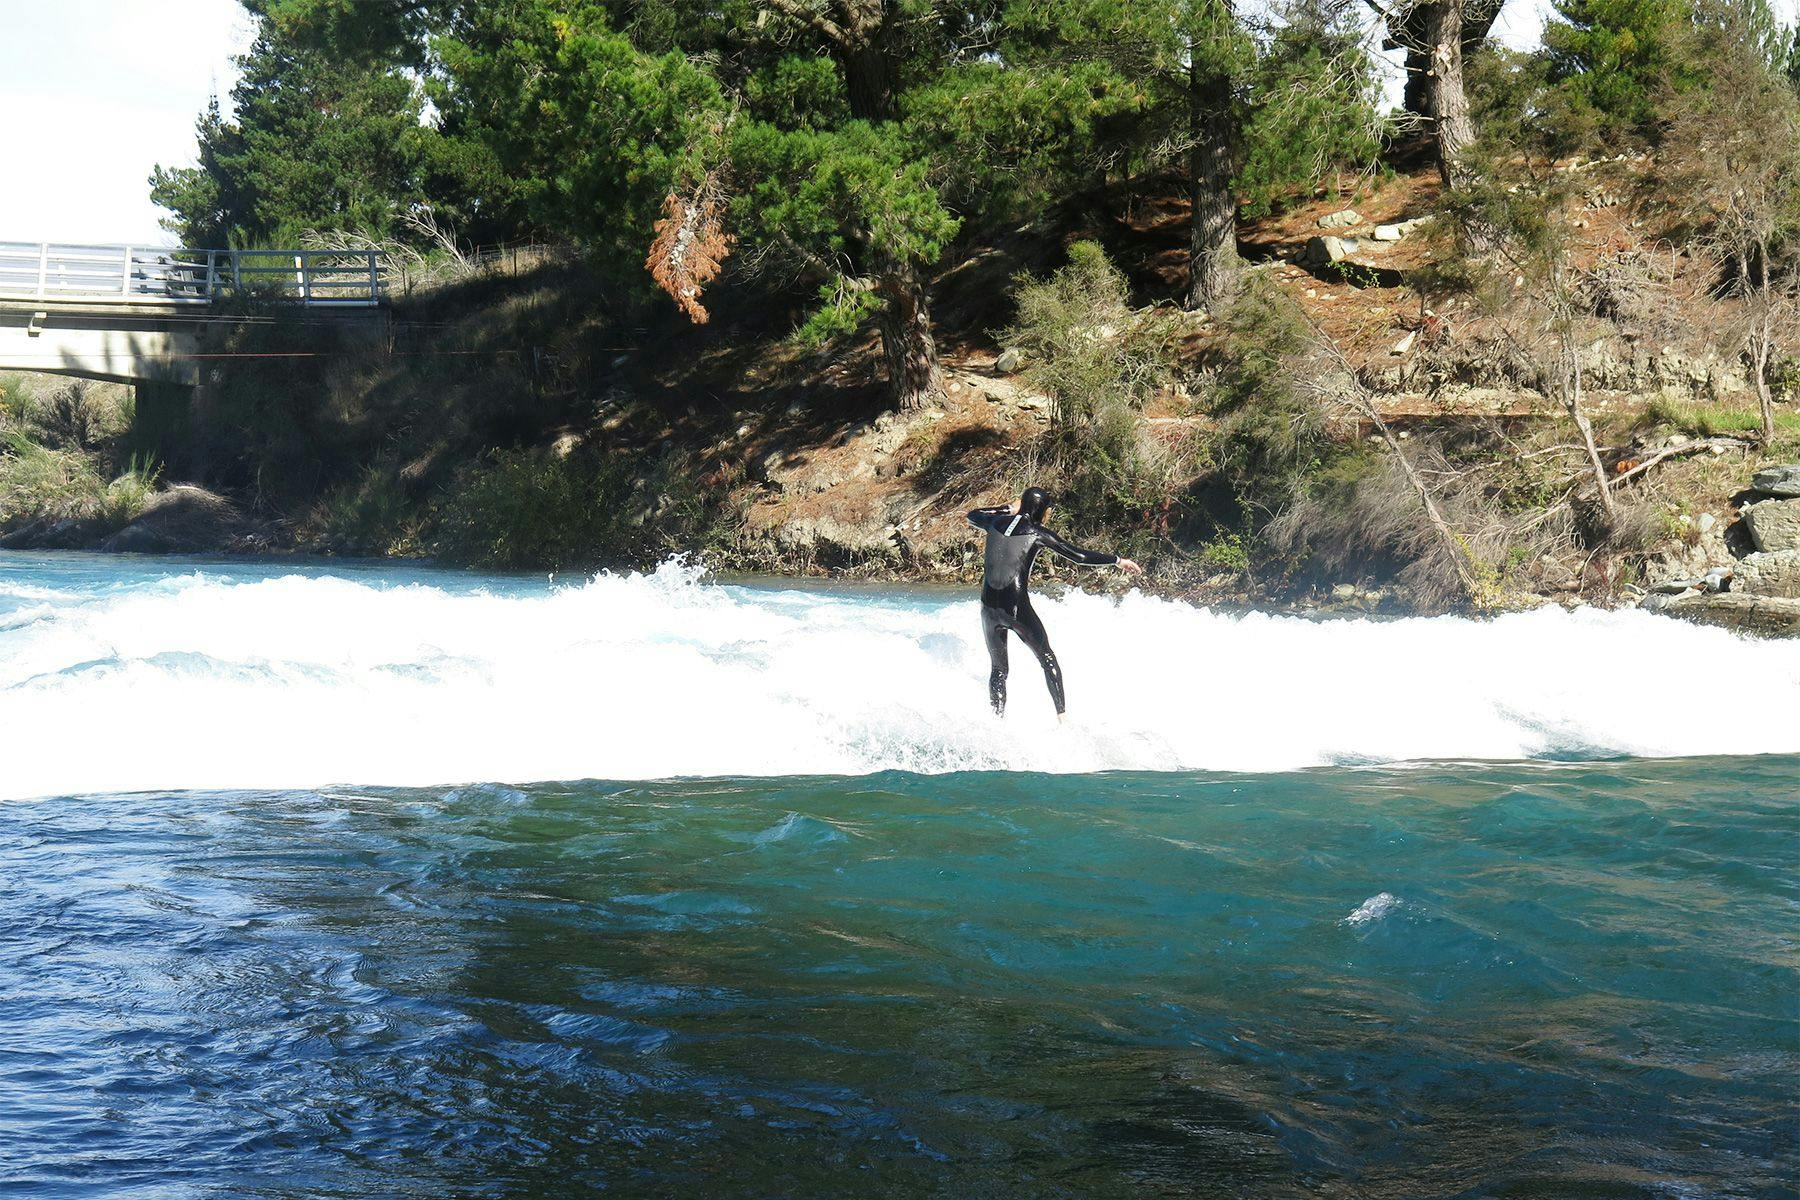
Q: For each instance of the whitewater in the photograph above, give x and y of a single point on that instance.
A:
(121, 676)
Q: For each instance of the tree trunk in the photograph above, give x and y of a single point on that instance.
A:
(915, 377)
(864, 52)
(1761, 344)
(865, 59)
(1212, 230)
(869, 81)
(1441, 36)
(1572, 400)
(1408, 35)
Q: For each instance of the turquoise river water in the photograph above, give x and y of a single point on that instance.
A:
(370, 881)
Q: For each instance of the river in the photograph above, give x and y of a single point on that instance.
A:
(384, 881)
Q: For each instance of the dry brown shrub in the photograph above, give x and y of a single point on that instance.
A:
(691, 245)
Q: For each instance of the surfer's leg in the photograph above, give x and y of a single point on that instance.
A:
(994, 631)
(1031, 632)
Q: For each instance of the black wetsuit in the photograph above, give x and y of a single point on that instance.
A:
(1013, 544)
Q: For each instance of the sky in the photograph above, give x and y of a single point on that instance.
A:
(96, 93)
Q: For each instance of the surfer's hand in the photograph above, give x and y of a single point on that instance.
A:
(1129, 567)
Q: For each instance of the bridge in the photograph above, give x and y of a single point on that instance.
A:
(145, 315)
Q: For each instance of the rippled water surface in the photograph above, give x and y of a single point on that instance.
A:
(1582, 983)
(1570, 978)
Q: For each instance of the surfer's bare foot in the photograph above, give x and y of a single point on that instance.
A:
(1062, 718)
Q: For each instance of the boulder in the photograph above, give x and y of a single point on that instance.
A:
(1776, 574)
(1398, 230)
(1323, 251)
(1774, 525)
(1783, 481)
(183, 519)
(1008, 362)
(1342, 219)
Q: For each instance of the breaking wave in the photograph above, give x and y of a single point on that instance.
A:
(305, 680)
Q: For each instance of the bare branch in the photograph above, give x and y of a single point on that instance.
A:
(811, 17)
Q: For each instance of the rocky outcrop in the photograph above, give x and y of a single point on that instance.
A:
(831, 542)
(1768, 616)
(1398, 229)
(1776, 574)
(1773, 525)
(1326, 250)
(1758, 593)
(50, 533)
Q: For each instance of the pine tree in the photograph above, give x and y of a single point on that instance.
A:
(314, 142)
(1245, 108)
(1616, 56)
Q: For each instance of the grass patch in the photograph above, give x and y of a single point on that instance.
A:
(38, 481)
(1716, 420)
(124, 499)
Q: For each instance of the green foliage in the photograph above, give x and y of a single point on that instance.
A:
(842, 310)
(1613, 64)
(39, 481)
(1083, 344)
(14, 400)
(1731, 155)
(125, 497)
(316, 141)
(57, 452)
(1228, 551)
(1700, 419)
(798, 91)
(852, 194)
(1097, 361)
(561, 120)
(530, 509)
(369, 515)
(1614, 57)
(1516, 108)
(1270, 431)
(1006, 137)
(1317, 93)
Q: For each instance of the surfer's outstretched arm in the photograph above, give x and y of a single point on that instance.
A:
(1075, 554)
(1085, 558)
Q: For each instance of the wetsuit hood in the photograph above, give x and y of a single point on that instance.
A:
(1033, 504)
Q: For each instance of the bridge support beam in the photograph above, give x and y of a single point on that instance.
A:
(160, 424)
(122, 347)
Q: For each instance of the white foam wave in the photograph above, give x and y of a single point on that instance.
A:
(1373, 909)
(301, 681)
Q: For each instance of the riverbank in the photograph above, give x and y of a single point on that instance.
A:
(1267, 456)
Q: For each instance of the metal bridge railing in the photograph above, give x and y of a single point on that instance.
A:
(134, 275)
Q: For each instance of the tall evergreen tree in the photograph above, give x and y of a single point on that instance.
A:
(1616, 56)
(313, 142)
(1407, 32)
(859, 137)
(1243, 107)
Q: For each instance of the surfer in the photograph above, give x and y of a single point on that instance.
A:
(1015, 535)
